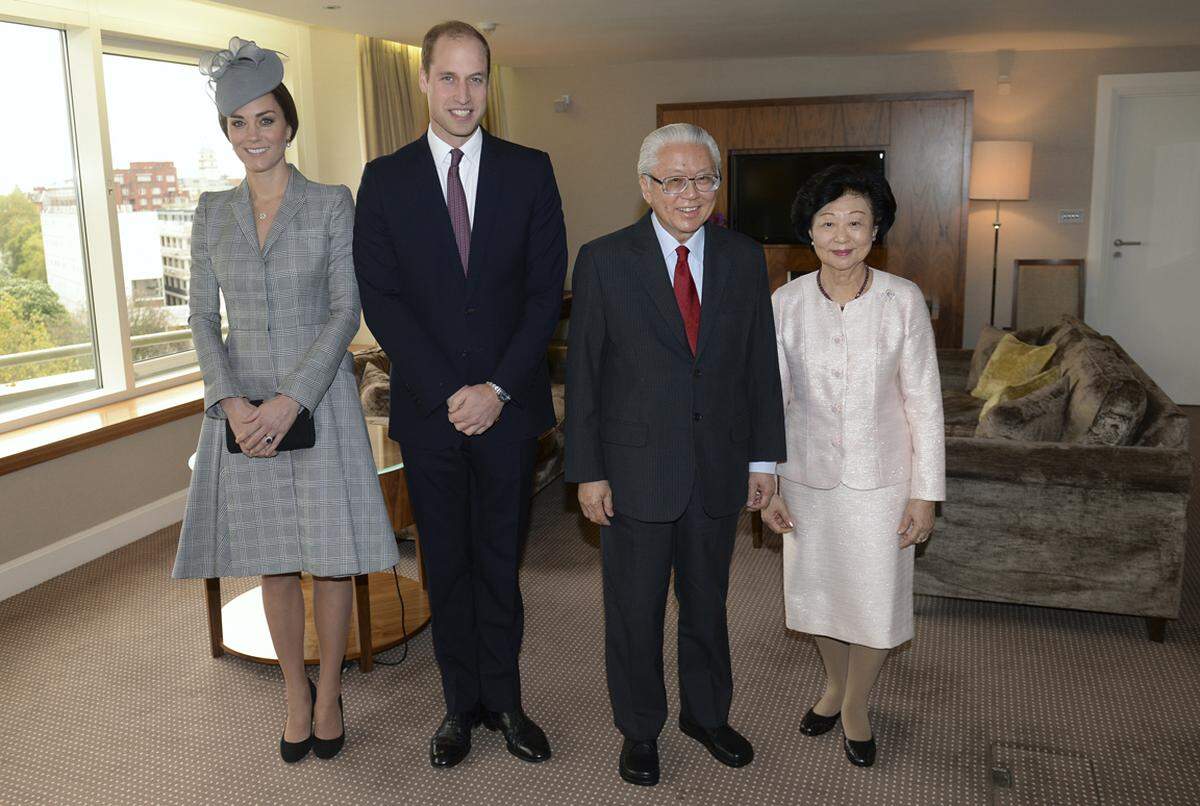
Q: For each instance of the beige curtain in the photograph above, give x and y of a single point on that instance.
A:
(394, 108)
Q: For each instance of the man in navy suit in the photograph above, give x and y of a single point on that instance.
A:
(461, 254)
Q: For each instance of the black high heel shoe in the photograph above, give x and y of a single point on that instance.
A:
(815, 724)
(328, 748)
(291, 752)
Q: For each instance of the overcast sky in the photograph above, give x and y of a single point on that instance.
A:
(156, 111)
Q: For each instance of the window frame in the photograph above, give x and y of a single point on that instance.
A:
(85, 43)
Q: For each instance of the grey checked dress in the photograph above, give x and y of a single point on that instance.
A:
(293, 308)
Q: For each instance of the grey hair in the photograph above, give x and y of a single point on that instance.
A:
(673, 134)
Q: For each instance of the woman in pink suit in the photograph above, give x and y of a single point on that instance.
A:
(865, 446)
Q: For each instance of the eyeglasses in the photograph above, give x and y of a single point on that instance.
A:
(674, 185)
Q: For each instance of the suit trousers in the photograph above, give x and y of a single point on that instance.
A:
(637, 559)
(471, 504)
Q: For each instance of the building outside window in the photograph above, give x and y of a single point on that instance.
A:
(170, 154)
(47, 334)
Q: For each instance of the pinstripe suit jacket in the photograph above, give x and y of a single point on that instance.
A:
(642, 412)
(292, 309)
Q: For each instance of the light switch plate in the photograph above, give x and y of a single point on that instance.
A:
(1070, 216)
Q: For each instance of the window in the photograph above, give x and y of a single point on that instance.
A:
(177, 133)
(47, 334)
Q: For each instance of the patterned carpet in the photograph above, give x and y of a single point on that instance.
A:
(109, 696)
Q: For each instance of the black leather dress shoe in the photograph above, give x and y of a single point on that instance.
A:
(524, 738)
(861, 754)
(726, 745)
(814, 724)
(639, 762)
(452, 740)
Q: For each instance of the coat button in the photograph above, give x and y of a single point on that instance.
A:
(464, 354)
(696, 373)
(697, 416)
(470, 311)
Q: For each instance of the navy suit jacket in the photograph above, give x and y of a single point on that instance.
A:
(645, 414)
(442, 329)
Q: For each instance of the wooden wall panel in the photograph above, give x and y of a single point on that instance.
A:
(925, 168)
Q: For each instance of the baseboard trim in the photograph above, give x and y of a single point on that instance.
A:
(71, 552)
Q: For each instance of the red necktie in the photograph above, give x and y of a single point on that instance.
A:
(686, 296)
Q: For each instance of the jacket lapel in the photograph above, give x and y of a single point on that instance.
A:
(295, 197)
(716, 278)
(487, 201)
(652, 272)
(244, 215)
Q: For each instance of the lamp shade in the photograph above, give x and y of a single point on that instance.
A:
(1000, 169)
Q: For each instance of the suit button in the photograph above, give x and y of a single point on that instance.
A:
(697, 416)
(464, 354)
(696, 373)
(470, 311)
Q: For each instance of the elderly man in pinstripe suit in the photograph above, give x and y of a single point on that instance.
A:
(674, 422)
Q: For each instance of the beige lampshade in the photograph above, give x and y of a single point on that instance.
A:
(1000, 169)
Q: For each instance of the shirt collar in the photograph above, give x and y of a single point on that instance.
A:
(441, 149)
(668, 244)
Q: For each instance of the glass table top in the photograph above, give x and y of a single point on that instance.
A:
(385, 452)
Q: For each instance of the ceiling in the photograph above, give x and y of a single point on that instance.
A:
(571, 32)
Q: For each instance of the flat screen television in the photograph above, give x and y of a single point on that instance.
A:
(763, 186)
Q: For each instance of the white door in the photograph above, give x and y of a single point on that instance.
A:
(1144, 244)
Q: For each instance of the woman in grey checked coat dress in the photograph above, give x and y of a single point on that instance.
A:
(278, 247)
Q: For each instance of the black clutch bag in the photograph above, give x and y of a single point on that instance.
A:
(302, 434)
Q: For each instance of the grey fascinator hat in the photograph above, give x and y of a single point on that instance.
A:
(240, 74)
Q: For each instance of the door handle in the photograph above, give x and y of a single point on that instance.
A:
(1119, 242)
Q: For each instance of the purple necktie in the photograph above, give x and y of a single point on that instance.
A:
(456, 200)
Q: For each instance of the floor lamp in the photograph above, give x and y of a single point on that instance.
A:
(1000, 172)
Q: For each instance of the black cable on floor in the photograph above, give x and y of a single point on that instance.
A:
(403, 628)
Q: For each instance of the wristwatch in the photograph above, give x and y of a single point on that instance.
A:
(500, 393)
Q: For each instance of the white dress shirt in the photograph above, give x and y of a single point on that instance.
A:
(695, 245)
(468, 167)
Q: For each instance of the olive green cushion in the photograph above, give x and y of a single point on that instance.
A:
(985, 345)
(1012, 363)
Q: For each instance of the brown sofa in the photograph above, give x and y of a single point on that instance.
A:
(1093, 520)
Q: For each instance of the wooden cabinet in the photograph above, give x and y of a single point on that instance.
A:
(927, 138)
